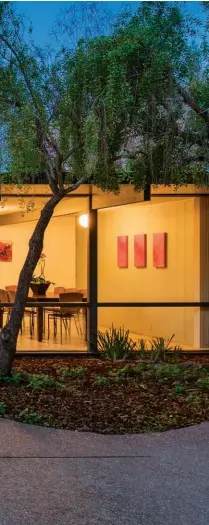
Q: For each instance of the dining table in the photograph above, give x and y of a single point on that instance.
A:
(48, 297)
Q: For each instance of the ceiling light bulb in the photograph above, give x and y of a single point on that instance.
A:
(84, 220)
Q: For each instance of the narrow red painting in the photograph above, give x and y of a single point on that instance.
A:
(159, 250)
(140, 250)
(5, 251)
(122, 252)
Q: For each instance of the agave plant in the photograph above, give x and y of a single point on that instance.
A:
(143, 349)
(159, 348)
(115, 343)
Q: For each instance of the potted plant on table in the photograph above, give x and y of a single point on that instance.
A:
(39, 285)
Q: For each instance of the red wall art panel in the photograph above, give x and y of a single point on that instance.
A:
(159, 250)
(5, 251)
(140, 250)
(122, 252)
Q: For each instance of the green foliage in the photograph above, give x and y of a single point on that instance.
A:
(102, 381)
(3, 409)
(169, 370)
(179, 389)
(127, 371)
(30, 417)
(111, 108)
(143, 352)
(23, 145)
(159, 348)
(203, 382)
(142, 345)
(40, 280)
(115, 343)
(77, 371)
(40, 381)
(18, 377)
(176, 352)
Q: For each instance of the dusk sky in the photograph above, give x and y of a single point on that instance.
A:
(43, 14)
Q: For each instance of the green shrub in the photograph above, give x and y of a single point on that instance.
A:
(17, 377)
(177, 351)
(3, 409)
(127, 371)
(5, 379)
(101, 380)
(179, 389)
(115, 343)
(159, 348)
(30, 417)
(169, 370)
(40, 381)
(77, 371)
(142, 348)
(203, 382)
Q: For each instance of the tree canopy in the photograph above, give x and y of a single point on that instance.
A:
(129, 105)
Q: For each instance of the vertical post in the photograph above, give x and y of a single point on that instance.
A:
(147, 192)
(92, 279)
(204, 271)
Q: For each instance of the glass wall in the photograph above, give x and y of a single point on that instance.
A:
(63, 264)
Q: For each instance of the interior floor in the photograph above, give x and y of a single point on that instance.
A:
(70, 341)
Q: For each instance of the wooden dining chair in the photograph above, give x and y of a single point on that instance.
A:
(84, 292)
(28, 312)
(83, 310)
(59, 289)
(48, 309)
(66, 313)
(11, 288)
(11, 298)
(4, 298)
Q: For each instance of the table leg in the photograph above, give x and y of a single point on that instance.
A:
(1, 318)
(40, 322)
(85, 322)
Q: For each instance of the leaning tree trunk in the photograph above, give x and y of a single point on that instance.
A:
(9, 334)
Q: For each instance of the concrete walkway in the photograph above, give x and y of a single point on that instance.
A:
(58, 477)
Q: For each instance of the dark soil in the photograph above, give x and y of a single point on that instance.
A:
(99, 399)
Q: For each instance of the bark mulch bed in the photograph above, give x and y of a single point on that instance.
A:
(96, 396)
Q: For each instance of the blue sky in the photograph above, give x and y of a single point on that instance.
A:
(43, 14)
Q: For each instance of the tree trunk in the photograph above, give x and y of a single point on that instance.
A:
(9, 334)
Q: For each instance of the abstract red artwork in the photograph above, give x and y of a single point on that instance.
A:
(140, 250)
(159, 250)
(122, 251)
(5, 251)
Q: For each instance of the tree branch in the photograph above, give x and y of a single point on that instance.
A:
(22, 69)
(188, 99)
(49, 166)
(72, 151)
(128, 155)
(74, 187)
(188, 160)
(53, 112)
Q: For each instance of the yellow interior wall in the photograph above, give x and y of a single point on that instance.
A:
(178, 282)
(66, 248)
(59, 246)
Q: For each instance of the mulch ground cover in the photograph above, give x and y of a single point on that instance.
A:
(108, 397)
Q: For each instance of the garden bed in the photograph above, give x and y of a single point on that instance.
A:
(102, 396)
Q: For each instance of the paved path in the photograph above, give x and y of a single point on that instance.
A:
(58, 477)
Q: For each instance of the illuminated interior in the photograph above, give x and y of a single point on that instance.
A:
(66, 249)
